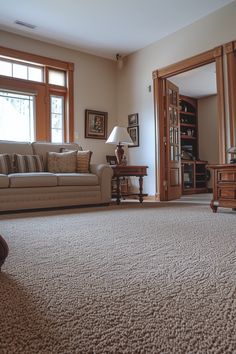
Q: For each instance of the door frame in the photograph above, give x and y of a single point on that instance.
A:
(159, 77)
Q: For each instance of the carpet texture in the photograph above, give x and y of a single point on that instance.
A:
(140, 279)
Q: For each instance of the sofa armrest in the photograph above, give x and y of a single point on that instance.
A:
(104, 173)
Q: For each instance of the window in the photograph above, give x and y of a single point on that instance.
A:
(37, 93)
(21, 71)
(56, 77)
(57, 119)
(16, 116)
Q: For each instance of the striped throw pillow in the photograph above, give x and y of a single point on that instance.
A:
(83, 161)
(6, 166)
(28, 163)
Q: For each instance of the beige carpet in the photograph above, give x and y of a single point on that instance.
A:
(130, 279)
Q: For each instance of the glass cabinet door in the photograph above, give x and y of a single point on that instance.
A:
(188, 175)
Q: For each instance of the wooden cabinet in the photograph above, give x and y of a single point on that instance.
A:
(224, 186)
(194, 177)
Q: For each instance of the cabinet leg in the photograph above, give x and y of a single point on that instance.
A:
(213, 207)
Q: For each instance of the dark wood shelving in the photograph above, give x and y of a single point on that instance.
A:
(188, 125)
(187, 113)
(188, 137)
(194, 177)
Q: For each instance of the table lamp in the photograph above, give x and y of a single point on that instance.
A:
(119, 136)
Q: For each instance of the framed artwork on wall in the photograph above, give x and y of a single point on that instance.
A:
(95, 124)
(132, 119)
(134, 134)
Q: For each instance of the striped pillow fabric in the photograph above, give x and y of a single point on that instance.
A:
(83, 161)
(28, 163)
(6, 164)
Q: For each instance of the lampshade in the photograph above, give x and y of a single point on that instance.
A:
(119, 136)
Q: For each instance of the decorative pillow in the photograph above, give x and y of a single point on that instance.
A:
(28, 163)
(83, 161)
(62, 162)
(6, 164)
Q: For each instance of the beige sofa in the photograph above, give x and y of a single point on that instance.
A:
(35, 190)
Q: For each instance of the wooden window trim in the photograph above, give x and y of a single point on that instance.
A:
(43, 126)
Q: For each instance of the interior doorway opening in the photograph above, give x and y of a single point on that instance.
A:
(169, 176)
(198, 127)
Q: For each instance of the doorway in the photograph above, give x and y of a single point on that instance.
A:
(164, 127)
(198, 127)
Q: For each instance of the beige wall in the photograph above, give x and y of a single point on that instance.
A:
(136, 75)
(208, 131)
(94, 86)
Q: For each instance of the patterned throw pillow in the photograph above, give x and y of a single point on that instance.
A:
(83, 161)
(62, 162)
(28, 163)
(6, 164)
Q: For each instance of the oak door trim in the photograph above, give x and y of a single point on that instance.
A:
(230, 51)
(211, 56)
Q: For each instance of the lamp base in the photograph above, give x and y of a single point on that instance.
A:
(119, 152)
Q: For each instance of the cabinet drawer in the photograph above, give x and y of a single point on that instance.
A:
(226, 176)
(225, 193)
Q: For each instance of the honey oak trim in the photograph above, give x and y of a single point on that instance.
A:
(159, 76)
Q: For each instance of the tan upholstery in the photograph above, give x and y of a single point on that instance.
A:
(34, 179)
(11, 147)
(19, 191)
(77, 179)
(3, 251)
(61, 162)
(42, 149)
(4, 181)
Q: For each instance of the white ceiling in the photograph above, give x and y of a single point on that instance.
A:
(200, 82)
(103, 27)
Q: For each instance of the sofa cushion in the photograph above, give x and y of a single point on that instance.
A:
(62, 162)
(37, 179)
(28, 163)
(42, 148)
(4, 181)
(6, 164)
(83, 161)
(11, 147)
(77, 179)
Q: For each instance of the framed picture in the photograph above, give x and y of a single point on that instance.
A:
(132, 119)
(95, 124)
(111, 159)
(134, 134)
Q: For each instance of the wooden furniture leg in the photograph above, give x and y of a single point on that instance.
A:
(118, 196)
(213, 207)
(141, 189)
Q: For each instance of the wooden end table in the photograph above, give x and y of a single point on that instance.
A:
(120, 171)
